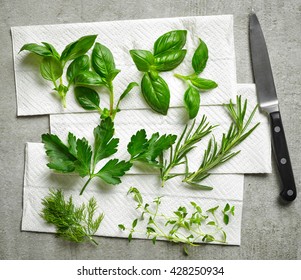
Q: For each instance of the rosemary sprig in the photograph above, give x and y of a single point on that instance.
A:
(184, 145)
(181, 226)
(215, 154)
(72, 223)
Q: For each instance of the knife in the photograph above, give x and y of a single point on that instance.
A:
(268, 102)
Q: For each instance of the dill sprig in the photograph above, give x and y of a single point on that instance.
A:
(184, 145)
(72, 223)
(215, 154)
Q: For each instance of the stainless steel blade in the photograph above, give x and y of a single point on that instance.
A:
(262, 71)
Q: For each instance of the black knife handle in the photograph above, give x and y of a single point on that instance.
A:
(281, 153)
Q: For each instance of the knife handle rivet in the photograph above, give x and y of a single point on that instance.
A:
(277, 129)
(290, 192)
(283, 161)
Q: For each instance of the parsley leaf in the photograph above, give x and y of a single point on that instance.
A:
(60, 157)
(77, 156)
(113, 170)
(144, 150)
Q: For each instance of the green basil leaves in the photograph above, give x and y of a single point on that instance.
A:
(173, 40)
(195, 83)
(156, 93)
(167, 55)
(52, 65)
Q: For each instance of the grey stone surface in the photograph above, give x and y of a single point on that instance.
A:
(270, 230)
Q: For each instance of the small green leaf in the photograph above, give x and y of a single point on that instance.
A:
(130, 237)
(150, 230)
(51, 68)
(226, 219)
(227, 207)
(103, 62)
(212, 210)
(77, 48)
(211, 223)
(154, 239)
(192, 101)
(88, 78)
(200, 57)
(169, 60)
(121, 226)
(173, 40)
(126, 92)
(232, 210)
(142, 59)
(156, 93)
(77, 66)
(203, 84)
(87, 98)
(208, 238)
(37, 49)
(137, 196)
(134, 224)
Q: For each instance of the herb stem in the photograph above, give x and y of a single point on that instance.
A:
(111, 91)
(85, 185)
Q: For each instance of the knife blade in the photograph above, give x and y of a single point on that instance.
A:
(268, 102)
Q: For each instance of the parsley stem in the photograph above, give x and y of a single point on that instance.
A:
(85, 185)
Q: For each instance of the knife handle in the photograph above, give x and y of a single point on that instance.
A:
(281, 153)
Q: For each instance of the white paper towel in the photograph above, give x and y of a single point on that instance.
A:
(113, 201)
(255, 155)
(34, 95)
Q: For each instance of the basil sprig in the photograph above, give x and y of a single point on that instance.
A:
(52, 64)
(102, 73)
(166, 56)
(195, 83)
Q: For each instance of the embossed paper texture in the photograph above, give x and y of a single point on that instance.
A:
(35, 95)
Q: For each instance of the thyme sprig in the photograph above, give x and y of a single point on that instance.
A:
(181, 226)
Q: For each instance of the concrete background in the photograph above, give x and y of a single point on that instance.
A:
(270, 230)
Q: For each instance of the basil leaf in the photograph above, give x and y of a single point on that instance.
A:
(51, 68)
(51, 49)
(37, 49)
(192, 101)
(77, 48)
(173, 40)
(87, 98)
(78, 65)
(127, 90)
(103, 62)
(203, 84)
(200, 57)
(88, 78)
(169, 60)
(156, 93)
(143, 59)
